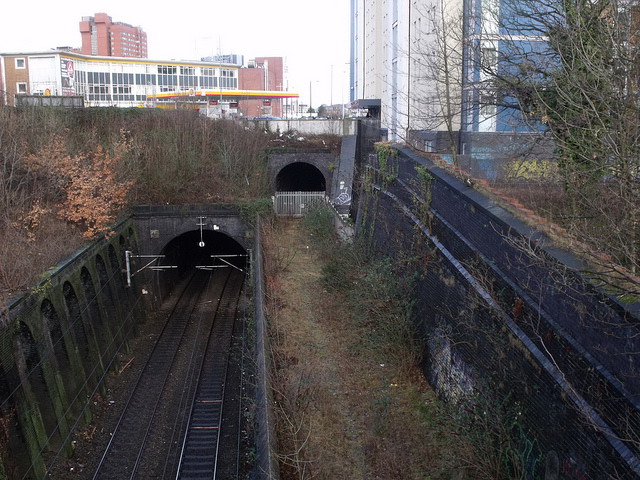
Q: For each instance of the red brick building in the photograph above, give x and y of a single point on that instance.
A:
(14, 77)
(103, 37)
(263, 73)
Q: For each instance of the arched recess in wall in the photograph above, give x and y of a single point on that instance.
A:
(106, 296)
(105, 288)
(95, 316)
(52, 321)
(34, 384)
(7, 385)
(14, 432)
(115, 267)
(61, 358)
(77, 327)
(131, 237)
(300, 177)
(120, 289)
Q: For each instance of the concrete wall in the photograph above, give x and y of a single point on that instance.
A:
(340, 127)
(549, 363)
(56, 344)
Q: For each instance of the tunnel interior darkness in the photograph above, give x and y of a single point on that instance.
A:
(185, 252)
(300, 177)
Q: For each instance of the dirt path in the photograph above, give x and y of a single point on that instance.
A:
(345, 412)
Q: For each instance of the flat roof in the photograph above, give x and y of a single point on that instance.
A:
(366, 103)
(236, 94)
(95, 58)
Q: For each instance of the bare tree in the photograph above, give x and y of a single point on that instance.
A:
(579, 81)
(437, 71)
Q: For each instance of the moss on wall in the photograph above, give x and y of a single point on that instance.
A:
(59, 343)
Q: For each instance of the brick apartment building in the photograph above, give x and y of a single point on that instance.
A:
(103, 37)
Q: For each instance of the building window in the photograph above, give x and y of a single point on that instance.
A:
(145, 79)
(228, 79)
(487, 105)
(168, 77)
(99, 77)
(20, 63)
(208, 78)
(121, 86)
(21, 88)
(187, 77)
(489, 59)
(167, 69)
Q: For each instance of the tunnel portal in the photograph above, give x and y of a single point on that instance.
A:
(300, 177)
(194, 249)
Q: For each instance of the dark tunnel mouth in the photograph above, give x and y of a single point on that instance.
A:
(186, 253)
(300, 177)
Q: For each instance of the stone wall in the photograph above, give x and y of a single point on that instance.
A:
(541, 361)
(159, 224)
(56, 345)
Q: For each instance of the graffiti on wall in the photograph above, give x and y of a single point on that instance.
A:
(344, 198)
(450, 375)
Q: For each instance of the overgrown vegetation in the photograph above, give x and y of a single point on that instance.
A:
(69, 174)
(377, 297)
(351, 397)
(580, 85)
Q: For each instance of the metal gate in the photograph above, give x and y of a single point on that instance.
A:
(296, 204)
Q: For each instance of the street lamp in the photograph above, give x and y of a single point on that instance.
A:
(331, 95)
(340, 82)
(310, 95)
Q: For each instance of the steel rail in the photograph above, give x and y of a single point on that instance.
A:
(152, 377)
(201, 444)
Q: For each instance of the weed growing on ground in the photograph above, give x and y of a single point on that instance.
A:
(379, 298)
(346, 407)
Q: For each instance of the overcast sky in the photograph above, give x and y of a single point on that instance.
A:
(311, 36)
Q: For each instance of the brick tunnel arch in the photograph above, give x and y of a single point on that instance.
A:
(186, 253)
(300, 177)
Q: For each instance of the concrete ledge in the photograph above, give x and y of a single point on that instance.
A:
(267, 464)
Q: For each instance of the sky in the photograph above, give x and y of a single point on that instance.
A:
(312, 36)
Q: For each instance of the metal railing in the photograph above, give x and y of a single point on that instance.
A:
(296, 204)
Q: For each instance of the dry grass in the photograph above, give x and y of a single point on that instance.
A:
(344, 411)
(23, 258)
(164, 157)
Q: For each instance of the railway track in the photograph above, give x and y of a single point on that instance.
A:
(150, 433)
(199, 456)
